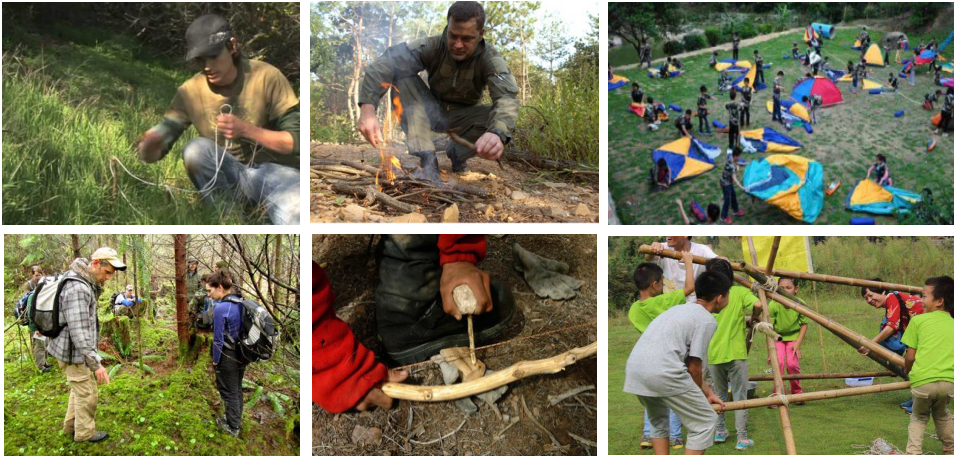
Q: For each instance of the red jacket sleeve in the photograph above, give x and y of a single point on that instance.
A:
(343, 370)
(461, 248)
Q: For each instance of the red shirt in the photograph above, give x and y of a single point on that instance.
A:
(897, 316)
(343, 370)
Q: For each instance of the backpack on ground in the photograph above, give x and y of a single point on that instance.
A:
(43, 304)
(113, 300)
(257, 331)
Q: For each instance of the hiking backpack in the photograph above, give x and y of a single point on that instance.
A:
(20, 309)
(113, 300)
(43, 304)
(257, 331)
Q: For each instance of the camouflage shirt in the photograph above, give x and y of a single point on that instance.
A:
(452, 83)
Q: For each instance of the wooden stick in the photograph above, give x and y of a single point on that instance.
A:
(865, 374)
(788, 440)
(810, 396)
(365, 192)
(506, 376)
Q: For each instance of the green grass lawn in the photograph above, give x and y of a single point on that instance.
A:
(820, 427)
(846, 141)
(73, 97)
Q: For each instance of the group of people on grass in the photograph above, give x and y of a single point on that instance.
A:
(693, 348)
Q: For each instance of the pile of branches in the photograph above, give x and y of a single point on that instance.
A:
(403, 193)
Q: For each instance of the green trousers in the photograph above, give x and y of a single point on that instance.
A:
(424, 114)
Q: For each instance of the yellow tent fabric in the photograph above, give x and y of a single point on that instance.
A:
(789, 200)
(617, 79)
(792, 254)
(796, 109)
(807, 32)
(721, 66)
(868, 192)
(874, 56)
(870, 84)
(751, 75)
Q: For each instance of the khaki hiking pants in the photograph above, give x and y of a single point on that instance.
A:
(81, 410)
(39, 352)
(932, 398)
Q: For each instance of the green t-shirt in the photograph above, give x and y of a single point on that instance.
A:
(931, 334)
(730, 340)
(643, 312)
(786, 321)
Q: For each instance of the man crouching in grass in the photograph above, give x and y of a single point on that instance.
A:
(247, 117)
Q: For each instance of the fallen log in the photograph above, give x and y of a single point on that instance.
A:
(865, 374)
(809, 396)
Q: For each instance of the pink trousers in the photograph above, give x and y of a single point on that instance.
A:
(789, 364)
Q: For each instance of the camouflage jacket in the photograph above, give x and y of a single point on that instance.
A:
(453, 83)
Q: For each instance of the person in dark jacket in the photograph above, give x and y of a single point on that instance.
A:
(230, 368)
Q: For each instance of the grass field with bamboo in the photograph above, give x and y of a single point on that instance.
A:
(74, 97)
(846, 140)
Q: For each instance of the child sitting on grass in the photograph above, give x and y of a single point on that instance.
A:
(652, 301)
(795, 52)
(929, 363)
(662, 176)
(882, 171)
(666, 367)
(712, 214)
(893, 82)
(727, 352)
(792, 327)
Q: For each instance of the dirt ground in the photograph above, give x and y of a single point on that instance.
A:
(518, 191)
(350, 263)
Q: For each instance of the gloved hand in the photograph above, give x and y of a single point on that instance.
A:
(546, 277)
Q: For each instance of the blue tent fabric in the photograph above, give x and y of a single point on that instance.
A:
(946, 42)
(900, 200)
(792, 183)
(771, 135)
(686, 158)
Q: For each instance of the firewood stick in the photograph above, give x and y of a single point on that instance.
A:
(364, 192)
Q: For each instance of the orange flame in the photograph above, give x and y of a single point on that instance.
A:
(389, 162)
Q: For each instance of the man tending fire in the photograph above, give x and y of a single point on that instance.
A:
(460, 65)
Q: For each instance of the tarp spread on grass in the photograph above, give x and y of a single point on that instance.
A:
(869, 84)
(672, 72)
(874, 56)
(733, 65)
(686, 157)
(616, 81)
(823, 87)
(791, 183)
(869, 197)
(792, 109)
(751, 75)
(769, 140)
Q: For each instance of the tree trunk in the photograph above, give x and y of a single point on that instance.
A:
(182, 315)
(277, 269)
(76, 245)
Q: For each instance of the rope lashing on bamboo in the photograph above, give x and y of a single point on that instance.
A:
(770, 285)
(765, 328)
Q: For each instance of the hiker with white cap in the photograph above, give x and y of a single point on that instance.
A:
(75, 345)
(247, 117)
(123, 304)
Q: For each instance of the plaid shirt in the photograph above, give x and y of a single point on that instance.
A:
(77, 342)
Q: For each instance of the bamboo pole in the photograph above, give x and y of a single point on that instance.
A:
(741, 266)
(865, 374)
(810, 396)
(788, 440)
(878, 353)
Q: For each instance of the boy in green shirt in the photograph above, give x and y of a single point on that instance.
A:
(652, 301)
(727, 353)
(929, 363)
(792, 327)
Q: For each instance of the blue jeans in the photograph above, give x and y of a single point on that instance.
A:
(776, 110)
(675, 426)
(730, 199)
(274, 186)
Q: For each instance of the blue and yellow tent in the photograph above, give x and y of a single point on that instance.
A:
(752, 75)
(791, 183)
(792, 109)
(869, 197)
(616, 81)
(686, 157)
(733, 65)
(672, 72)
(769, 140)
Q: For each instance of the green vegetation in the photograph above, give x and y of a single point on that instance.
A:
(845, 142)
(835, 426)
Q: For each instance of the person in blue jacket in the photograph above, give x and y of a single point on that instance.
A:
(230, 368)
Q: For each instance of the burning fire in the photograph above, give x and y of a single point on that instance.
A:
(389, 161)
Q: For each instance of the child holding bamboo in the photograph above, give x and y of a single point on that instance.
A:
(666, 367)
(652, 301)
(728, 352)
(929, 363)
(792, 327)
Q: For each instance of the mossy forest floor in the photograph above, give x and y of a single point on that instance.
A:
(170, 411)
(846, 140)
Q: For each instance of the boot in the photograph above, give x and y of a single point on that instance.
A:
(432, 330)
(429, 166)
(458, 156)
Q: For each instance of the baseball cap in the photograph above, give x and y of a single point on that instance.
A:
(109, 255)
(129, 287)
(206, 36)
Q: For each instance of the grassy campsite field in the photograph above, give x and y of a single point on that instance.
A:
(833, 426)
(846, 141)
(73, 97)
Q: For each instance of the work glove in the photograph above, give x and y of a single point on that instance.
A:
(548, 278)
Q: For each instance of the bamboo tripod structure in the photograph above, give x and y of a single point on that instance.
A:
(888, 359)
